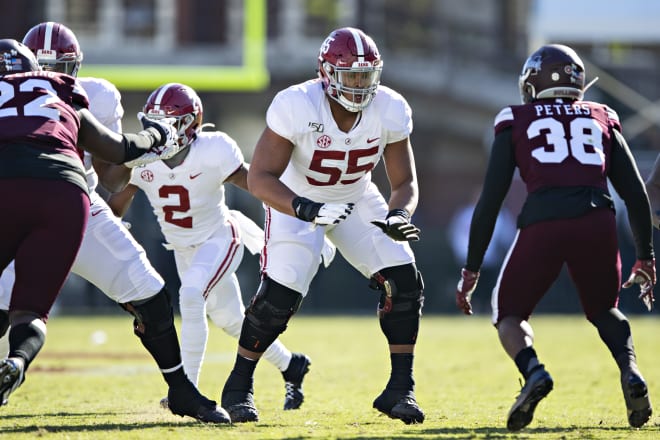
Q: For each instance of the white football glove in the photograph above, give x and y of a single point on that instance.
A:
(169, 135)
(321, 213)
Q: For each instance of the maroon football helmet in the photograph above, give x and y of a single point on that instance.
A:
(16, 58)
(180, 102)
(55, 46)
(553, 71)
(349, 65)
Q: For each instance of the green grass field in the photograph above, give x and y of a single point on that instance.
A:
(93, 380)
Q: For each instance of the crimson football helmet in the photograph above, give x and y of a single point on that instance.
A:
(55, 46)
(16, 58)
(180, 102)
(553, 71)
(349, 66)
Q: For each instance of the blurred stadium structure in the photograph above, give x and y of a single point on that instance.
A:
(456, 61)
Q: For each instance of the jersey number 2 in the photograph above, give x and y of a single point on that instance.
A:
(170, 211)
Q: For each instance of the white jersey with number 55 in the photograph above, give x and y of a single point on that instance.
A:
(327, 164)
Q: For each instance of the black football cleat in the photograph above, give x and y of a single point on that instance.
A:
(238, 399)
(537, 386)
(187, 401)
(293, 379)
(636, 395)
(240, 406)
(11, 377)
(399, 404)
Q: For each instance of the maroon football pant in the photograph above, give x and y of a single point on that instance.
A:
(587, 245)
(41, 228)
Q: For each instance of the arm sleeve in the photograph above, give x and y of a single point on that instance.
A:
(628, 183)
(497, 182)
(135, 145)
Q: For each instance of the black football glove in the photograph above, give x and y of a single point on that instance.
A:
(397, 226)
(321, 213)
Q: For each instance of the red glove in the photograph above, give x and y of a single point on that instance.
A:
(643, 273)
(466, 286)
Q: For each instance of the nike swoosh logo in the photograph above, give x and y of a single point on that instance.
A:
(194, 176)
(95, 213)
(372, 140)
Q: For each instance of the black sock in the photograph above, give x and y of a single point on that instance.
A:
(527, 362)
(241, 376)
(167, 354)
(401, 377)
(25, 341)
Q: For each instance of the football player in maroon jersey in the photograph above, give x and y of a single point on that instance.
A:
(565, 149)
(126, 276)
(44, 119)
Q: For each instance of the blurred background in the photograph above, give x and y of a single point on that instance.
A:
(456, 61)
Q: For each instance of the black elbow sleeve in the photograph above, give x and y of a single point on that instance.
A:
(136, 144)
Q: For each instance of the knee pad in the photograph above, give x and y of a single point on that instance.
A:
(267, 315)
(4, 322)
(401, 302)
(153, 316)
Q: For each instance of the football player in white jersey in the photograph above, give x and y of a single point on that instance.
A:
(312, 168)
(125, 275)
(187, 195)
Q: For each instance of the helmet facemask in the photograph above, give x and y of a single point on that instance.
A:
(68, 63)
(184, 125)
(353, 87)
(349, 66)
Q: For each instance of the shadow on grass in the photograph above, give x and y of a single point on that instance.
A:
(63, 426)
(499, 432)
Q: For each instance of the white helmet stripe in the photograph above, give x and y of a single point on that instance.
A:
(161, 93)
(48, 36)
(358, 44)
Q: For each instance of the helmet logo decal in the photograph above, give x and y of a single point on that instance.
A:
(324, 141)
(555, 76)
(12, 62)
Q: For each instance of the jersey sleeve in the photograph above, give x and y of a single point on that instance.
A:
(230, 158)
(397, 118)
(613, 118)
(79, 96)
(279, 116)
(105, 102)
(503, 120)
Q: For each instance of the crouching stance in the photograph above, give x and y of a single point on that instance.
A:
(308, 200)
